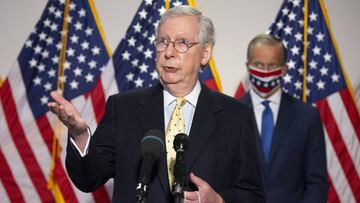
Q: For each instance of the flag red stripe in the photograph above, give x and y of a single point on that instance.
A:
(46, 131)
(351, 110)
(98, 100)
(211, 83)
(340, 147)
(101, 196)
(7, 178)
(61, 176)
(332, 195)
(23, 147)
(240, 91)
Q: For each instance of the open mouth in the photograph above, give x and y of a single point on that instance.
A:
(170, 69)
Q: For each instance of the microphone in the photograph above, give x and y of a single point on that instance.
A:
(151, 147)
(180, 146)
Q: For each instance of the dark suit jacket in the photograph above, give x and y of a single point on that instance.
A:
(296, 169)
(221, 150)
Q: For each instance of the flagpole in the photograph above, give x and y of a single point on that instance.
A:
(306, 9)
(192, 3)
(98, 24)
(56, 147)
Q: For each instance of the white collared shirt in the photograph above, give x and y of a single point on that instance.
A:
(188, 109)
(274, 103)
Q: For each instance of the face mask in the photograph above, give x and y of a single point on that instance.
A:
(265, 82)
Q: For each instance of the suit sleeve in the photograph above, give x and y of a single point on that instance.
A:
(97, 166)
(315, 164)
(248, 185)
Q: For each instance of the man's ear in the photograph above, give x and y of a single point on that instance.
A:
(247, 66)
(207, 53)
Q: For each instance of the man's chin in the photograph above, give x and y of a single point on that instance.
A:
(169, 80)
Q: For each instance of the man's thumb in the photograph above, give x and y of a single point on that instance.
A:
(197, 181)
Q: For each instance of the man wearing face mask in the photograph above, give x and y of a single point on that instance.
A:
(290, 140)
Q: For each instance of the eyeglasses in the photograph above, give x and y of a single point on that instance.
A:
(181, 45)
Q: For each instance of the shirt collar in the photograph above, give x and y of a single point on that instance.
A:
(191, 98)
(275, 98)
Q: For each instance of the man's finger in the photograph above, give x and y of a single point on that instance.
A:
(54, 107)
(58, 98)
(63, 115)
(200, 183)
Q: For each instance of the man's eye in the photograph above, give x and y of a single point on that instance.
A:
(183, 41)
(163, 41)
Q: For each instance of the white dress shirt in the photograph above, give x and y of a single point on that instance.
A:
(258, 107)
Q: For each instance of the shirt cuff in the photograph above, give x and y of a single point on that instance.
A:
(86, 150)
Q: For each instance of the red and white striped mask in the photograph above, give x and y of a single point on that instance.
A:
(265, 82)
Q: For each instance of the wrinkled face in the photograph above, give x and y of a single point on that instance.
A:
(181, 68)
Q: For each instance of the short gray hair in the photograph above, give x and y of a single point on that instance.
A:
(267, 40)
(206, 27)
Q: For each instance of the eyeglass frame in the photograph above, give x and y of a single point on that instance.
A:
(187, 44)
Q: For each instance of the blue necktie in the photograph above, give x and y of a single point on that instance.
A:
(267, 128)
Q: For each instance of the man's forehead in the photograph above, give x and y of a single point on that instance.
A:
(179, 23)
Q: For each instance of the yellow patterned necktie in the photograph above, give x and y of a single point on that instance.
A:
(176, 125)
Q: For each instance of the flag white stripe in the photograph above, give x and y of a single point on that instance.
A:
(16, 165)
(108, 80)
(27, 121)
(109, 186)
(4, 196)
(79, 102)
(346, 129)
(52, 119)
(336, 173)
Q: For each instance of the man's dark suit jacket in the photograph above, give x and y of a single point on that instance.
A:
(221, 150)
(296, 169)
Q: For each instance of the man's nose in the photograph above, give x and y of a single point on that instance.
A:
(170, 50)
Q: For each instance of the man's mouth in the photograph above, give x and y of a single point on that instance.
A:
(169, 69)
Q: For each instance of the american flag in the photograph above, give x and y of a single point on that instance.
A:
(89, 78)
(326, 86)
(64, 51)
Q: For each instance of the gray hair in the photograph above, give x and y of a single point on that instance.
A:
(267, 40)
(206, 27)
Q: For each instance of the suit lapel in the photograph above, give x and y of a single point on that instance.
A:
(151, 116)
(283, 122)
(203, 125)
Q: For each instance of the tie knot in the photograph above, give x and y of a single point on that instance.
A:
(266, 103)
(180, 102)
